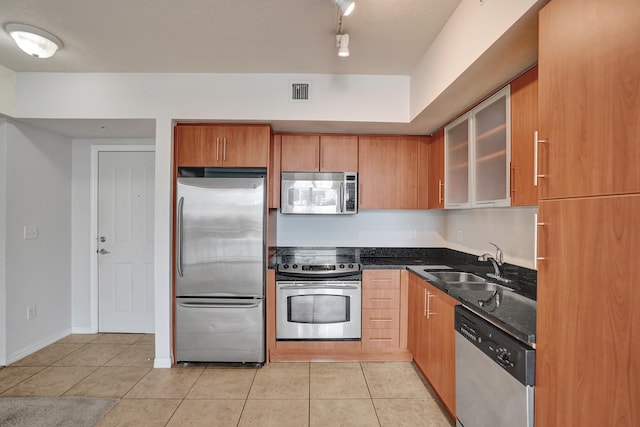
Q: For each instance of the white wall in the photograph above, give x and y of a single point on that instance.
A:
(3, 241)
(513, 229)
(7, 91)
(257, 97)
(81, 248)
(38, 271)
(366, 229)
(472, 29)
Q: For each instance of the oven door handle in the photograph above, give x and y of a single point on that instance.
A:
(317, 287)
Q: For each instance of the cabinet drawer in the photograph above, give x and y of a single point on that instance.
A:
(381, 318)
(381, 279)
(381, 298)
(380, 338)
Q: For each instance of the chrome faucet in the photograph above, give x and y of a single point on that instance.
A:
(496, 262)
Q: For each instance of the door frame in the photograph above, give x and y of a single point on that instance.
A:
(93, 234)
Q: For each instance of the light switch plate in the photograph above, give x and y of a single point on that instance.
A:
(30, 232)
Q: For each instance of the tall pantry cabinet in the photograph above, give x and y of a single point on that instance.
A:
(588, 320)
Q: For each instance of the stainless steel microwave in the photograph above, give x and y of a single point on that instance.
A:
(319, 193)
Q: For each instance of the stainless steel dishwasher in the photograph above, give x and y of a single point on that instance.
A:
(494, 375)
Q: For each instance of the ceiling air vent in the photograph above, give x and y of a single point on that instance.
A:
(300, 91)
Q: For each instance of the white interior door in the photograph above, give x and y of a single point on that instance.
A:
(125, 241)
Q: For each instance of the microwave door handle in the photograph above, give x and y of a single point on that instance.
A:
(179, 237)
(342, 197)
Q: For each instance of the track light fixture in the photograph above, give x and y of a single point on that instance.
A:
(34, 41)
(342, 43)
(346, 6)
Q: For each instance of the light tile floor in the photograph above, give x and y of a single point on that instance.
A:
(278, 394)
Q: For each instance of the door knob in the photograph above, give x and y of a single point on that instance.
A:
(103, 239)
(103, 251)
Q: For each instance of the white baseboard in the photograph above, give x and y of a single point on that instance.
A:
(162, 362)
(83, 330)
(21, 354)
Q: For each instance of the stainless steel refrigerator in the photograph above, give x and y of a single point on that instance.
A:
(220, 265)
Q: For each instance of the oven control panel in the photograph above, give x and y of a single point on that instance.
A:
(318, 269)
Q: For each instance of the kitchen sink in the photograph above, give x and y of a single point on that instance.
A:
(456, 276)
(476, 286)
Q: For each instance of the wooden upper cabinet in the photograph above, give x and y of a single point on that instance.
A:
(246, 145)
(339, 153)
(589, 104)
(423, 173)
(524, 124)
(300, 153)
(324, 153)
(435, 172)
(221, 145)
(388, 172)
(197, 145)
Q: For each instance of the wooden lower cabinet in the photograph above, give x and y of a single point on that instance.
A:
(431, 338)
(588, 316)
(380, 309)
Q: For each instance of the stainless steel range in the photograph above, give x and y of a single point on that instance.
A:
(318, 298)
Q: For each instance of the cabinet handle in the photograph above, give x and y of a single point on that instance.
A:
(513, 181)
(224, 149)
(424, 303)
(217, 148)
(440, 187)
(379, 299)
(381, 339)
(429, 296)
(381, 320)
(380, 280)
(537, 141)
(535, 240)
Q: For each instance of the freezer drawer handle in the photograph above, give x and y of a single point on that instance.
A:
(214, 305)
(317, 287)
(179, 237)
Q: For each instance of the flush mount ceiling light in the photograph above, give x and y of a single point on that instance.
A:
(346, 6)
(342, 43)
(34, 41)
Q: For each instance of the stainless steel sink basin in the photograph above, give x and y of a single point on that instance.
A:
(477, 286)
(456, 276)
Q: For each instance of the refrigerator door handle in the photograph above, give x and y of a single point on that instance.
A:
(342, 197)
(219, 305)
(179, 237)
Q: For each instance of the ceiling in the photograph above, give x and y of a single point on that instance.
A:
(387, 37)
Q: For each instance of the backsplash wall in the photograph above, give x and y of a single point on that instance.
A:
(510, 228)
(513, 229)
(366, 229)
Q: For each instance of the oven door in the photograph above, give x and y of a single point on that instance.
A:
(318, 310)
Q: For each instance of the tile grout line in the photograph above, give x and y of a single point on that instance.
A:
(370, 395)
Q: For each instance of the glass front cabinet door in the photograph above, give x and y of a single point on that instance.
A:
(478, 154)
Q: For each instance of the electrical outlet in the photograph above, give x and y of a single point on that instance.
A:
(460, 235)
(31, 312)
(30, 232)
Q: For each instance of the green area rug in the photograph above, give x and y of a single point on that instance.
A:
(55, 411)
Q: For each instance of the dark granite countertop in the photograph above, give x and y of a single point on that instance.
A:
(507, 309)
(515, 314)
